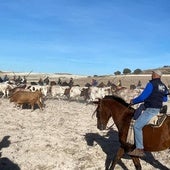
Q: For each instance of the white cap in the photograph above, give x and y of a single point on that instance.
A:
(158, 72)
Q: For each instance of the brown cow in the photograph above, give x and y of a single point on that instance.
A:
(15, 89)
(27, 97)
(85, 92)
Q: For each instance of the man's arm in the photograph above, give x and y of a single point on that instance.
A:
(165, 98)
(144, 95)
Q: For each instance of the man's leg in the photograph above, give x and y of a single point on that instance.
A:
(139, 124)
(144, 118)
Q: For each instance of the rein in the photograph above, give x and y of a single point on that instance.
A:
(127, 108)
(110, 126)
(94, 113)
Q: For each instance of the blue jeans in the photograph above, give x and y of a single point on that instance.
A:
(143, 119)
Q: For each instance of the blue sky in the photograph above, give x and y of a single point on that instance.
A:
(85, 37)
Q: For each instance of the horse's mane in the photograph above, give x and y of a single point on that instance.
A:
(118, 99)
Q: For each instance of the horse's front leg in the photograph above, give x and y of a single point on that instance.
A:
(136, 162)
(119, 155)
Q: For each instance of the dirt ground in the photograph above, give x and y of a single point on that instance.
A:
(63, 136)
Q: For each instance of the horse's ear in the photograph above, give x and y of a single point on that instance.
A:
(96, 102)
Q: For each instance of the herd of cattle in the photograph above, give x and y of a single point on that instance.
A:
(31, 95)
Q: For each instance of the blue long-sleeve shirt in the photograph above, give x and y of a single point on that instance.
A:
(146, 93)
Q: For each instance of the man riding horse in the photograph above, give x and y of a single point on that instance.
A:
(153, 96)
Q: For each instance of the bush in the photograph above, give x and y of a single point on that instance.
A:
(126, 71)
(117, 73)
(137, 71)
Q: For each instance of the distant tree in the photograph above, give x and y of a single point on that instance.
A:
(137, 71)
(126, 71)
(117, 73)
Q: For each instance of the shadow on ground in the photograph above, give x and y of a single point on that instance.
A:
(110, 144)
(5, 163)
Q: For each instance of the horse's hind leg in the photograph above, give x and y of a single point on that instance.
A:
(119, 154)
(136, 162)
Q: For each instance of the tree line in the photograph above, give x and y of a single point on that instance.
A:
(128, 71)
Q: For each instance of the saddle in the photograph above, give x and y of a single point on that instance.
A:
(155, 122)
(158, 120)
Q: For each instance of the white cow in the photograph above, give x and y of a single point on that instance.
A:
(98, 92)
(5, 87)
(75, 92)
(128, 94)
(44, 89)
(58, 91)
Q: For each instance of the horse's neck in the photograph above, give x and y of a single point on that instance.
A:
(121, 116)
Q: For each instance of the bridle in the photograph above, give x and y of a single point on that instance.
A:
(107, 128)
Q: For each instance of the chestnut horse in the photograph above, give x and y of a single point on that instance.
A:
(155, 139)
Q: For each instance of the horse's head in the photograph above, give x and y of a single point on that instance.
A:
(115, 107)
(102, 114)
